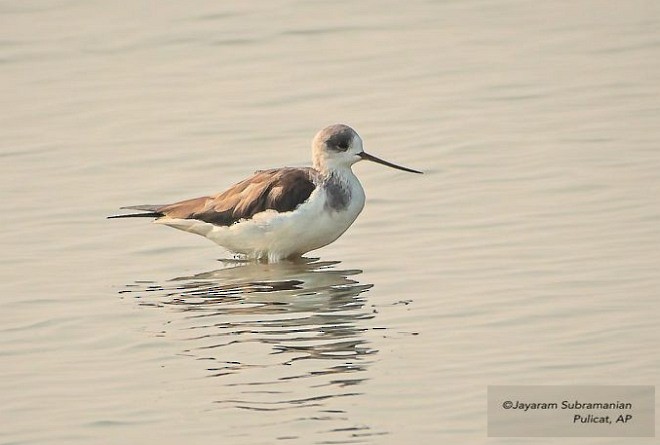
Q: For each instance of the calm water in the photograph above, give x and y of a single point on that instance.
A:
(527, 254)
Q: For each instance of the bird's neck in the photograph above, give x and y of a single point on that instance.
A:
(342, 173)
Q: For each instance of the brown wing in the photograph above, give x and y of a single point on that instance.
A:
(281, 189)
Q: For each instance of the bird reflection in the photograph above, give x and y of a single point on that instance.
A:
(282, 328)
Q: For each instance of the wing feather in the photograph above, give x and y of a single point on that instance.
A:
(281, 190)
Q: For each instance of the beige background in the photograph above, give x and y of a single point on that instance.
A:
(527, 254)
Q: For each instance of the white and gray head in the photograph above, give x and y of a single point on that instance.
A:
(339, 146)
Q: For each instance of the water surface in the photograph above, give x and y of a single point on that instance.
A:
(526, 254)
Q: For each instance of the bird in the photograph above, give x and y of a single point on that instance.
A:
(281, 213)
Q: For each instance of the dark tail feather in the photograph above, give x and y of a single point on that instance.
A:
(138, 215)
(152, 212)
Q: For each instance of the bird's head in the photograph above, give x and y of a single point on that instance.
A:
(339, 146)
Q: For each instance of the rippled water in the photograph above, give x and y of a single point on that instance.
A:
(527, 253)
(257, 326)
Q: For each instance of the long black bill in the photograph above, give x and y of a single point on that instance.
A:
(368, 157)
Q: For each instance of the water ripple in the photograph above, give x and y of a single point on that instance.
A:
(279, 336)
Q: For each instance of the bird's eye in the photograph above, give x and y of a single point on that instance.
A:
(339, 142)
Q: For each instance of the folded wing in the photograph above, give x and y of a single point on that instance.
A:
(281, 190)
